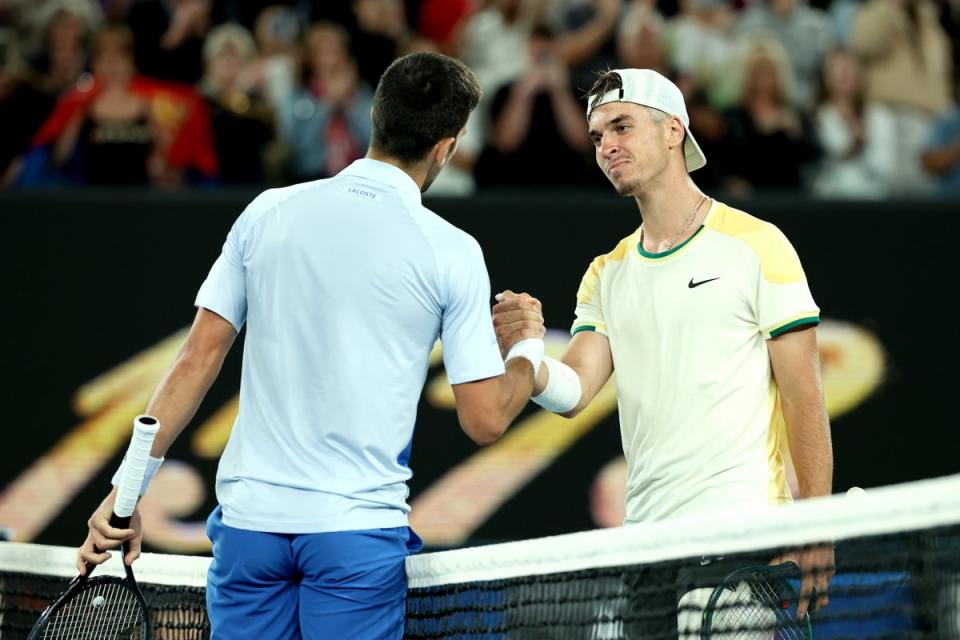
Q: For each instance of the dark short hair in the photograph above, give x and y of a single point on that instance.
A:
(610, 80)
(421, 99)
(606, 81)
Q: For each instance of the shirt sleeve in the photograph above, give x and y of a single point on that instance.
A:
(784, 301)
(224, 292)
(470, 350)
(589, 311)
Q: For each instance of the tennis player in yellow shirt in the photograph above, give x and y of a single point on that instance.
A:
(705, 314)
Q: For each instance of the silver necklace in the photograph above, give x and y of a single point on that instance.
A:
(690, 219)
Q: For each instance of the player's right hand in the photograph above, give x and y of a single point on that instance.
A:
(516, 317)
(101, 537)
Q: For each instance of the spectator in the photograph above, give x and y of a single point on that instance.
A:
(768, 140)
(539, 133)
(805, 33)
(114, 138)
(856, 137)
(32, 19)
(29, 90)
(702, 47)
(495, 42)
(326, 121)
(101, 131)
(24, 105)
(842, 14)
(62, 55)
(443, 22)
(941, 154)
(906, 57)
(381, 31)
(115, 10)
(242, 124)
(169, 36)
(640, 40)
(586, 37)
(273, 71)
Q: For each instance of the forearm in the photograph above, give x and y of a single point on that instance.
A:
(179, 394)
(808, 435)
(66, 143)
(569, 120)
(577, 47)
(567, 387)
(180, 27)
(513, 125)
(942, 161)
(515, 389)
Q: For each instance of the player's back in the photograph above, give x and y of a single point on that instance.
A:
(346, 281)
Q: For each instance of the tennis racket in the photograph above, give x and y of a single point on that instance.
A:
(756, 603)
(107, 607)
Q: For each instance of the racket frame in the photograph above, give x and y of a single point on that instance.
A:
(144, 430)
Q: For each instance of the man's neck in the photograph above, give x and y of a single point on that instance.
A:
(418, 173)
(668, 213)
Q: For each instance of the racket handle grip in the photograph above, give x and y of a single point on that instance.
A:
(135, 465)
(119, 522)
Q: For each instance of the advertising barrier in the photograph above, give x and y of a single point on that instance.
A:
(98, 291)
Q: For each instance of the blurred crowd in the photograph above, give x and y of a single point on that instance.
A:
(841, 98)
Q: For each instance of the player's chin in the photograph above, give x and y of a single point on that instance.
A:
(624, 188)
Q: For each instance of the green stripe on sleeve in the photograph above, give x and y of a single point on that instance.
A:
(583, 327)
(812, 320)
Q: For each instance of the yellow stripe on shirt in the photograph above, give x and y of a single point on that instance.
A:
(778, 259)
(588, 286)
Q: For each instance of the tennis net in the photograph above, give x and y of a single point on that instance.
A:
(897, 577)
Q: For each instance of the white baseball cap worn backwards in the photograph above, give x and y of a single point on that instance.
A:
(648, 88)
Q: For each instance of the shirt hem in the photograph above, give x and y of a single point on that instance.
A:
(473, 376)
(328, 526)
(780, 329)
(213, 308)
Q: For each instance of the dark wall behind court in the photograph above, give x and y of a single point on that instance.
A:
(89, 280)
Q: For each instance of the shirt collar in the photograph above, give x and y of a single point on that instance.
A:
(385, 173)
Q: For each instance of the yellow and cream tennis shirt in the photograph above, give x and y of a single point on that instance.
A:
(700, 414)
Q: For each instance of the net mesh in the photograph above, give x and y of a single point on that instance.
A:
(897, 563)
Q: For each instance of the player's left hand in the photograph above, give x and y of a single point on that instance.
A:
(817, 566)
(101, 537)
(516, 317)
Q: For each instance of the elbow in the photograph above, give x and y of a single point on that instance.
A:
(198, 360)
(484, 430)
(504, 144)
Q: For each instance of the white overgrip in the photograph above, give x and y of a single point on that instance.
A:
(134, 467)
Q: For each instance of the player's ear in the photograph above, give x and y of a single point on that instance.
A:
(675, 131)
(443, 150)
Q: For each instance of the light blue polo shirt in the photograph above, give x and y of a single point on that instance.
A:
(344, 284)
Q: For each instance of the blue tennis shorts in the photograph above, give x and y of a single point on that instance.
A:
(272, 586)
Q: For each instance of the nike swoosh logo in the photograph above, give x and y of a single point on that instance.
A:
(694, 285)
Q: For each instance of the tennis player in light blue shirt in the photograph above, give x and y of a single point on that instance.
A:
(343, 285)
(346, 284)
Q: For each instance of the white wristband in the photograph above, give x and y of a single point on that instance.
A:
(531, 349)
(153, 465)
(563, 390)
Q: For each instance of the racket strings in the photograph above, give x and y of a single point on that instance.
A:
(747, 615)
(787, 625)
(105, 611)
